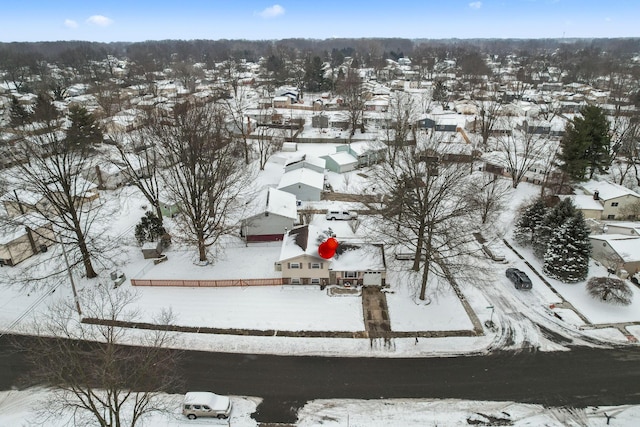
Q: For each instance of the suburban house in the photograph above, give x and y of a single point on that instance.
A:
(617, 201)
(618, 252)
(305, 183)
(83, 191)
(589, 207)
(19, 202)
(366, 153)
(26, 236)
(354, 263)
(276, 214)
(320, 121)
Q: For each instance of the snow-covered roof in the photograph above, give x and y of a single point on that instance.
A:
(627, 247)
(607, 190)
(350, 256)
(302, 176)
(281, 203)
(584, 202)
(343, 158)
(81, 186)
(24, 196)
(16, 228)
(303, 240)
(358, 257)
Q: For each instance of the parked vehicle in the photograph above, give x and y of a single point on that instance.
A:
(519, 278)
(340, 215)
(205, 404)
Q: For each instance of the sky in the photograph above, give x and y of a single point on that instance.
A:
(140, 20)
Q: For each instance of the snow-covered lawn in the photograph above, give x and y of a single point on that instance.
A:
(20, 409)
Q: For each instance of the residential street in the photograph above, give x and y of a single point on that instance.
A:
(582, 376)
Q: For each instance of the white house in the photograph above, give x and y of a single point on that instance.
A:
(589, 207)
(306, 184)
(353, 264)
(618, 252)
(275, 214)
(617, 201)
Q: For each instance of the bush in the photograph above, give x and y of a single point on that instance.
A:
(149, 229)
(609, 289)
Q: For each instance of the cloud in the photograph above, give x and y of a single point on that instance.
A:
(272, 11)
(475, 4)
(99, 20)
(70, 23)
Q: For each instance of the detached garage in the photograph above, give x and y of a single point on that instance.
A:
(341, 162)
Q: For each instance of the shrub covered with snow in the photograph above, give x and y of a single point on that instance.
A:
(610, 289)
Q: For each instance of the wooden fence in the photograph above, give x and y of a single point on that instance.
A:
(207, 283)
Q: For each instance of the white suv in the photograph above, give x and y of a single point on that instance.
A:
(340, 215)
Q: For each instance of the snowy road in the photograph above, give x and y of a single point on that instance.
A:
(561, 378)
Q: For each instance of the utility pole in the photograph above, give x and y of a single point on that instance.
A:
(73, 283)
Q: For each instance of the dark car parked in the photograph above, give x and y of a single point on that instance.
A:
(519, 278)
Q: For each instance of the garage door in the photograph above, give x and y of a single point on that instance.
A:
(372, 278)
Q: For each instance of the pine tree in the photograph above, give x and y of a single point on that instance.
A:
(19, 115)
(149, 228)
(45, 111)
(84, 131)
(568, 251)
(529, 221)
(586, 144)
(553, 219)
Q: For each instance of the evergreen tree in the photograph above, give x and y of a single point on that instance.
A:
(149, 228)
(18, 114)
(553, 219)
(586, 144)
(568, 251)
(314, 80)
(45, 111)
(529, 221)
(84, 130)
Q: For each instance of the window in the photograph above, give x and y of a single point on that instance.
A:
(315, 265)
(294, 265)
(350, 275)
(614, 204)
(611, 216)
(295, 280)
(315, 281)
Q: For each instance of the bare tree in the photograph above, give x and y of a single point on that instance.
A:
(236, 110)
(351, 90)
(610, 289)
(96, 375)
(139, 160)
(268, 140)
(427, 208)
(50, 163)
(625, 148)
(487, 115)
(490, 194)
(400, 123)
(520, 150)
(209, 175)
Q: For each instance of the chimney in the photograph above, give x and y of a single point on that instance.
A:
(596, 195)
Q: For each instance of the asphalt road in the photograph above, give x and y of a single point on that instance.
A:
(580, 377)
